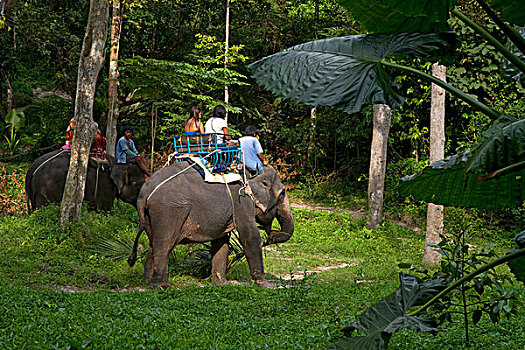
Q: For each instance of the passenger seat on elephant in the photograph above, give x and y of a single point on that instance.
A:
(98, 146)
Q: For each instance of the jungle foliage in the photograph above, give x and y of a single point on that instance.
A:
(58, 291)
(41, 58)
(172, 59)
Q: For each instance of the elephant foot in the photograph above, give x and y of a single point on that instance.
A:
(161, 285)
(219, 280)
(165, 285)
(263, 283)
(222, 282)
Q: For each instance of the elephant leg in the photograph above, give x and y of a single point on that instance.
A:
(219, 260)
(251, 243)
(160, 259)
(166, 233)
(148, 265)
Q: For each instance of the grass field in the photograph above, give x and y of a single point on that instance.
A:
(348, 267)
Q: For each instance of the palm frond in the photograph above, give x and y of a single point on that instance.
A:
(117, 249)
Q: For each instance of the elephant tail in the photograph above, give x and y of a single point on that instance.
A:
(141, 204)
(29, 178)
(133, 257)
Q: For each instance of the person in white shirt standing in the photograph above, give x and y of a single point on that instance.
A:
(217, 124)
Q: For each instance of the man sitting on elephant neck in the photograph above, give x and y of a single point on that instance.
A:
(253, 152)
(127, 153)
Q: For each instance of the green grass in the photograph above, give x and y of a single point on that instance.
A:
(39, 260)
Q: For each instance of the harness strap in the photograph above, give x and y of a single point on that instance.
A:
(47, 160)
(247, 189)
(96, 184)
(174, 176)
(231, 198)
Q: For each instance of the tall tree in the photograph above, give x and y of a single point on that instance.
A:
(6, 8)
(376, 181)
(437, 152)
(90, 63)
(226, 44)
(113, 106)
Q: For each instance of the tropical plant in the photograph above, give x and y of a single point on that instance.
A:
(348, 72)
(198, 264)
(116, 249)
(15, 120)
(397, 311)
(483, 294)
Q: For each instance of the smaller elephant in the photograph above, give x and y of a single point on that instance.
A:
(46, 179)
(176, 206)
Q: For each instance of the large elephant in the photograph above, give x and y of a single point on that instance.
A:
(176, 206)
(46, 178)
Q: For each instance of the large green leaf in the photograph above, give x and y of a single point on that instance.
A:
(517, 266)
(445, 182)
(424, 16)
(511, 11)
(345, 72)
(387, 316)
(15, 117)
(401, 16)
(499, 147)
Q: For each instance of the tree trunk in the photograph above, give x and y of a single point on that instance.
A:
(312, 157)
(153, 134)
(91, 61)
(9, 94)
(227, 43)
(113, 106)
(7, 7)
(437, 152)
(376, 182)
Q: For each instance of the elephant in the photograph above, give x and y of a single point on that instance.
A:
(176, 206)
(46, 178)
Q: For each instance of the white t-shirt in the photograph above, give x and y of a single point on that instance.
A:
(214, 125)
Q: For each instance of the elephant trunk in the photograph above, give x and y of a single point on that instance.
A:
(285, 218)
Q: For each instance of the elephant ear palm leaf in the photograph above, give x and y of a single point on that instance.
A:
(344, 72)
(390, 314)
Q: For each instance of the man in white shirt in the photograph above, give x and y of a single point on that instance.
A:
(217, 124)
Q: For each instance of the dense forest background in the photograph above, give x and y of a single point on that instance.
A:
(172, 57)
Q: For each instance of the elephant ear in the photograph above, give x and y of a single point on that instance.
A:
(119, 175)
(267, 188)
(260, 192)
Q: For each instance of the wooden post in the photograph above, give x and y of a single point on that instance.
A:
(437, 152)
(378, 154)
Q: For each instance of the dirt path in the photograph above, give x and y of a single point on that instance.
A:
(356, 214)
(296, 204)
